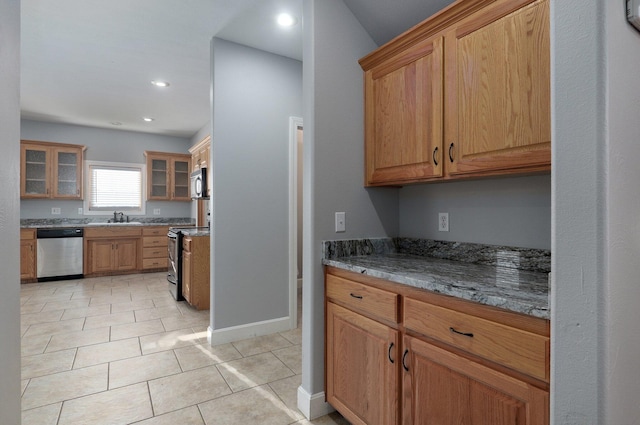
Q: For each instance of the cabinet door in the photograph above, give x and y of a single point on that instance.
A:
(27, 259)
(126, 254)
(186, 276)
(403, 116)
(35, 171)
(362, 367)
(101, 255)
(440, 387)
(67, 173)
(498, 117)
(158, 178)
(181, 178)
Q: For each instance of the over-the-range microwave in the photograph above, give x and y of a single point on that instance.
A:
(199, 184)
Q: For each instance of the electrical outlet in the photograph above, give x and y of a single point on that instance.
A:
(340, 222)
(156, 211)
(80, 211)
(55, 211)
(443, 222)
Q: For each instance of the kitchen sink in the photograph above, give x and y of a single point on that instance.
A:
(131, 223)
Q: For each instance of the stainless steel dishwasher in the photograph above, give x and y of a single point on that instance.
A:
(59, 254)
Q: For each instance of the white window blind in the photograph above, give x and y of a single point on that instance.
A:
(115, 187)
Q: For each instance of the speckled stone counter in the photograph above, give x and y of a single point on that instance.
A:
(485, 280)
(93, 222)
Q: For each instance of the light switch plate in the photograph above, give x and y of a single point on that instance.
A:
(341, 226)
(55, 211)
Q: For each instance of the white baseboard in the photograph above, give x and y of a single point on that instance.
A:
(250, 330)
(313, 406)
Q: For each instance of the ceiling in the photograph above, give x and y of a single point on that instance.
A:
(91, 62)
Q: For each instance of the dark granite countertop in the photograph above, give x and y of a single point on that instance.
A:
(507, 287)
(101, 222)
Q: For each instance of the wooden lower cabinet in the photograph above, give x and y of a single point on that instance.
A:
(488, 367)
(111, 250)
(27, 255)
(113, 255)
(441, 387)
(362, 375)
(154, 248)
(195, 271)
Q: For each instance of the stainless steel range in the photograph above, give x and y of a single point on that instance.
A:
(174, 274)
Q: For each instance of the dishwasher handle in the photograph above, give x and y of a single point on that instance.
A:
(59, 233)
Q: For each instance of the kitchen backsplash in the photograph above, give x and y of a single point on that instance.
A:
(538, 260)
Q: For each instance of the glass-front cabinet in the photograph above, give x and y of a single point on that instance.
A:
(168, 176)
(51, 170)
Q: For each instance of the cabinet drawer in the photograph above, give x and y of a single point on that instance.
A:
(154, 263)
(512, 347)
(155, 231)
(154, 252)
(111, 232)
(155, 241)
(377, 302)
(27, 234)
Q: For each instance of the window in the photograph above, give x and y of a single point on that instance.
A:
(114, 187)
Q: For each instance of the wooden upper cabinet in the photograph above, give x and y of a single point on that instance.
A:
(498, 117)
(51, 170)
(403, 118)
(168, 176)
(200, 153)
(466, 93)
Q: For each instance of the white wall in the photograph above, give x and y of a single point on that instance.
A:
(621, 292)
(512, 211)
(9, 212)
(579, 180)
(255, 93)
(102, 145)
(333, 165)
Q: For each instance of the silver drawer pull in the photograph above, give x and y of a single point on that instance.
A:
(470, 335)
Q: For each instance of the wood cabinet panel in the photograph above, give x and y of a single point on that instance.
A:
(168, 176)
(154, 252)
(506, 345)
(442, 388)
(155, 230)
(498, 90)
(403, 116)
(378, 303)
(154, 248)
(100, 255)
(51, 170)
(112, 250)
(126, 254)
(466, 93)
(195, 271)
(361, 371)
(498, 376)
(28, 254)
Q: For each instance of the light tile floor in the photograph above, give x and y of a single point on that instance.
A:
(119, 350)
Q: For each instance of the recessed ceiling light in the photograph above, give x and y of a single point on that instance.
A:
(159, 83)
(148, 119)
(286, 20)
